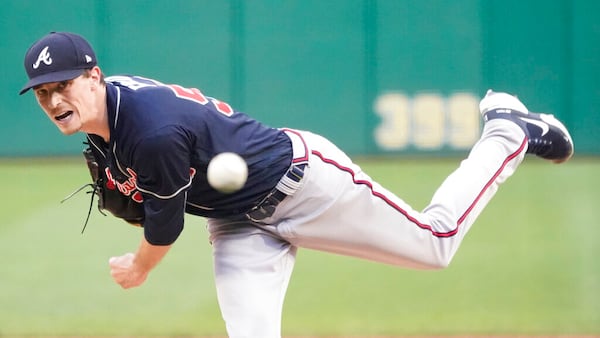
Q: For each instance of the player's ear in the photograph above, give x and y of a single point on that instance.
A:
(96, 75)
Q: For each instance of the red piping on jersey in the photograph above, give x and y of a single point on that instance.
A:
(405, 213)
(305, 157)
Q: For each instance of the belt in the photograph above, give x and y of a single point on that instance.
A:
(289, 183)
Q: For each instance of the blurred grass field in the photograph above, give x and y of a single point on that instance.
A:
(529, 266)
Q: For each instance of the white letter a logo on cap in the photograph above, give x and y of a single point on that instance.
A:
(43, 57)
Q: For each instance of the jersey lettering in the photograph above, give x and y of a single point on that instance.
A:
(222, 107)
(127, 188)
(191, 94)
(132, 83)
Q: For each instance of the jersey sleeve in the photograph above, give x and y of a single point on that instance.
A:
(163, 177)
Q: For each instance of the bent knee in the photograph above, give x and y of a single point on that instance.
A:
(439, 261)
(440, 264)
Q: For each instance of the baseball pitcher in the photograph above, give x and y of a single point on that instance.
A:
(150, 144)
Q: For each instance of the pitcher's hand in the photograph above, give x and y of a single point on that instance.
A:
(125, 272)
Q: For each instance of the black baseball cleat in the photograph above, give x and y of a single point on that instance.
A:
(547, 137)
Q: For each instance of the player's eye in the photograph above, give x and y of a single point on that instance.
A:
(62, 85)
(41, 93)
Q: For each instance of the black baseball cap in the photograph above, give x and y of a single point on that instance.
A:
(58, 56)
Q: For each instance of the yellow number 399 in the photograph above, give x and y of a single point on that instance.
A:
(427, 121)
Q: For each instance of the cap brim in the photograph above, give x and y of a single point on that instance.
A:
(51, 77)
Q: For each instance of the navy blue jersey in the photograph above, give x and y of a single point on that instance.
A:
(162, 138)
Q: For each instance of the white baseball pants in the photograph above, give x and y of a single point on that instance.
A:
(340, 209)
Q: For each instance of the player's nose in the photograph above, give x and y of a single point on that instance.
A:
(55, 100)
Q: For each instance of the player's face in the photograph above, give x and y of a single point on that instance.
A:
(69, 104)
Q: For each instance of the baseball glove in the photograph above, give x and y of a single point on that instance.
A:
(105, 188)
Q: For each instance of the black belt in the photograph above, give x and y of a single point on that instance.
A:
(266, 207)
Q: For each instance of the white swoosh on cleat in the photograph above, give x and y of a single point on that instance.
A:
(543, 125)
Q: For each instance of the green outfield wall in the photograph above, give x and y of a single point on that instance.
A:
(377, 77)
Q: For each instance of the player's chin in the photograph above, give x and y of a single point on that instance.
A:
(68, 123)
(68, 129)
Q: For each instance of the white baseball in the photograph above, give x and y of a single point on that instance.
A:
(227, 172)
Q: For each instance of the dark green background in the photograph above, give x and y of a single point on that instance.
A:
(319, 65)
